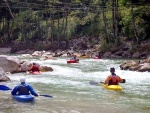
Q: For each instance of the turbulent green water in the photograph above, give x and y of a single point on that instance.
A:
(69, 85)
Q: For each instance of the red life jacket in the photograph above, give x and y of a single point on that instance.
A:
(113, 80)
(35, 68)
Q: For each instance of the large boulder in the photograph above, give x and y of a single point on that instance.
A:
(145, 61)
(128, 64)
(38, 53)
(3, 77)
(136, 55)
(10, 63)
(25, 65)
(45, 68)
(142, 65)
(5, 50)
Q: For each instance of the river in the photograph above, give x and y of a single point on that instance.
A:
(72, 93)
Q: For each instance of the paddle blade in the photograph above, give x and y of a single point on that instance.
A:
(45, 95)
(102, 82)
(4, 88)
(93, 83)
(123, 81)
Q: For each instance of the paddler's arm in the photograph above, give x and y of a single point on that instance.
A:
(15, 90)
(120, 79)
(32, 91)
(107, 80)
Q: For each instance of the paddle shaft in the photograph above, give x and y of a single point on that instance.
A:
(95, 83)
(45, 95)
(123, 81)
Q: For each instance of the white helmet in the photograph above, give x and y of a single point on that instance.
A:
(22, 80)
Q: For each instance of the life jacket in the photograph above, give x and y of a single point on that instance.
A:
(23, 90)
(35, 68)
(74, 58)
(113, 80)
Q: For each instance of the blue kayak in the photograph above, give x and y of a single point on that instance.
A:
(23, 98)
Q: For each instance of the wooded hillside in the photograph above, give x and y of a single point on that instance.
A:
(45, 22)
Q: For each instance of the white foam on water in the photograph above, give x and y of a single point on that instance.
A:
(74, 74)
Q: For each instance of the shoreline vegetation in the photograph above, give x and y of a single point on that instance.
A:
(115, 29)
(126, 50)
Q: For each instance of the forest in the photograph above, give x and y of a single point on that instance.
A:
(40, 24)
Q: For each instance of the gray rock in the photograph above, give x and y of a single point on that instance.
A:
(3, 77)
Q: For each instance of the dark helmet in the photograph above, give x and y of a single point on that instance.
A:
(34, 63)
(112, 69)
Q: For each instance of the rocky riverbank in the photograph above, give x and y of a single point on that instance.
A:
(12, 64)
(84, 45)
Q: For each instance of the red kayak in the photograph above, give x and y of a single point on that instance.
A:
(35, 73)
(72, 61)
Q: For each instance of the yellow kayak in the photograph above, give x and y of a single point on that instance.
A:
(81, 56)
(112, 87)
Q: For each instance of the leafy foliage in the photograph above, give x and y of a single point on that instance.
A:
(58, 20)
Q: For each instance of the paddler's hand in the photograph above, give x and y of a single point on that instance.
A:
(38, 94)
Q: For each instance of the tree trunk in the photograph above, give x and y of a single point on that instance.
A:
(105, 23)
(8, 26)
(116, 19)
(113, 17)
(58, 34)
(9, 8)
(46, 27)
(38, 22)
(133, 24)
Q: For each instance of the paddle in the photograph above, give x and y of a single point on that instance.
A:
(93, 82)
(4, 88)
(77, 59)
(45, 95)
(96, 83)
(74, 59)
(123, 81)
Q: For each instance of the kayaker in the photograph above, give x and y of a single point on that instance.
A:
(99, 55)
(34, 68)
(23, 89)
(113, 79)
(74, 57)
